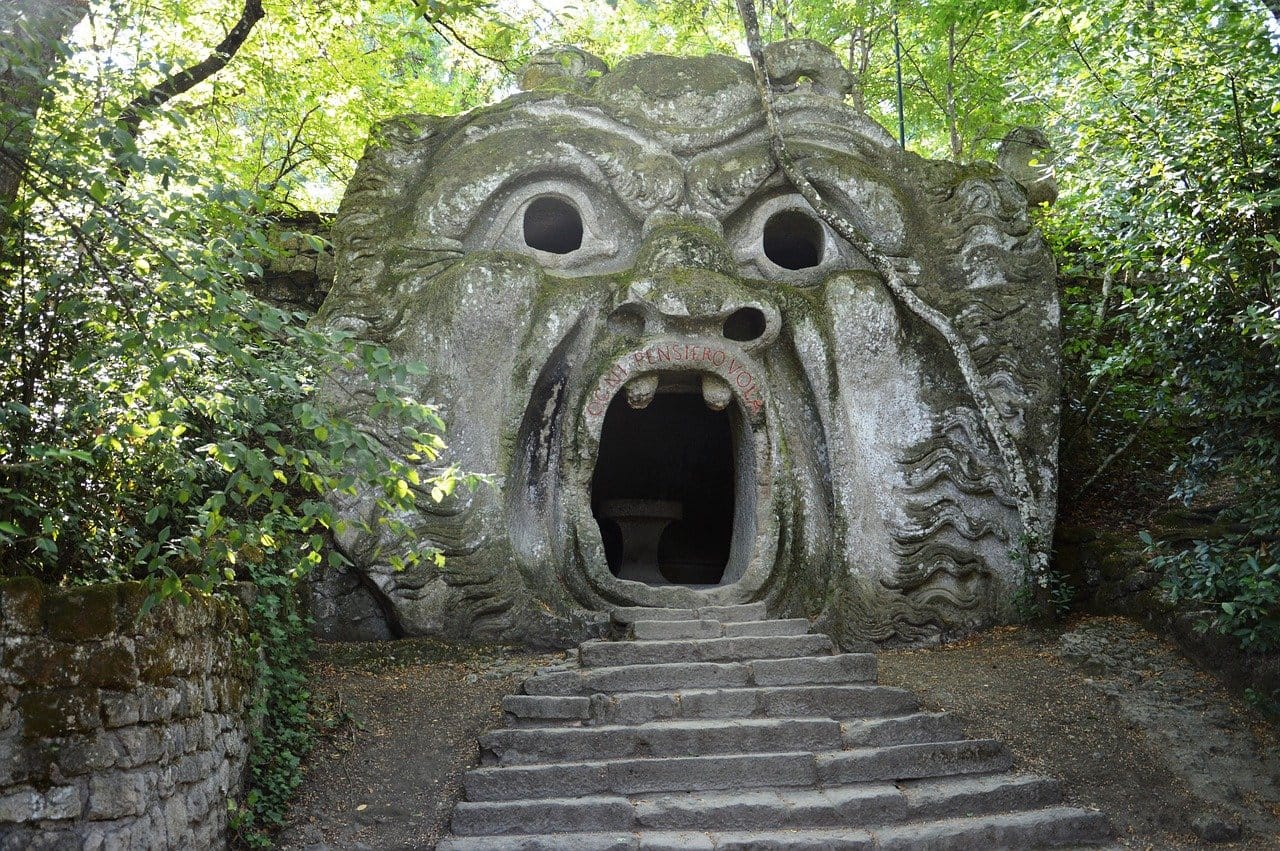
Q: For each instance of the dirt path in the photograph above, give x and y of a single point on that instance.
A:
(1127, 724)
(389, 778)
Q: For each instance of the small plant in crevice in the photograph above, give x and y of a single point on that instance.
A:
(1045, 595)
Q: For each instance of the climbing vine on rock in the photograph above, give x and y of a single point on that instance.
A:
(1035, 539)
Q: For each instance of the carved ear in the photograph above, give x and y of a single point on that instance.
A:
(789, 62)
(563, 68)
(1026, 155)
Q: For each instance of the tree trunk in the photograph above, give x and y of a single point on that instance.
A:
(953, 121)
(30, 31)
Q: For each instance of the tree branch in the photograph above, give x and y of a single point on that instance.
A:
(439, 23)
(131, 118)
(1119, 450)
(1033, 524)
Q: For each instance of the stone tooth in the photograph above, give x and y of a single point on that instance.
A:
(640, 391)
(715, 392)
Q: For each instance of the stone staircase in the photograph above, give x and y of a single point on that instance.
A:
(715, 728)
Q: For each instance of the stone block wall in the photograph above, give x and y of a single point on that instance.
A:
(119, 732)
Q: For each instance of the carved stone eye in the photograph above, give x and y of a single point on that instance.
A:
(553, 225)
(793, 240)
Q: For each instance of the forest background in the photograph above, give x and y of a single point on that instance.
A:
(156, 419)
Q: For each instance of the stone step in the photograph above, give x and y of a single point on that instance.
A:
(528, 709)
(981, 794)
(610, 654)
(761, 809)
(660, 630)
(911, 761)
(543, 815)
(629, 776)
(724, 614)
(810, 701)
(1033, 829)
(837, 701)
(1047, 828)
(536, 745)
(862, 804)
(815, 670)
(900, 729)
(634, 776)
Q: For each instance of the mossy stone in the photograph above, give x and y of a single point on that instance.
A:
(157, 657)
(111, 665)
(58, 712)
(45, 663)
(81, 614)
(20, 604)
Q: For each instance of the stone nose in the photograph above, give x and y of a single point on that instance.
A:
(683, 244)
(685, 285)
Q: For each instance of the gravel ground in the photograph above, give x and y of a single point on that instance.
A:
(1129, 726)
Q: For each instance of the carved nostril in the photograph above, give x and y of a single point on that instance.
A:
(745, 324)
(626, 321)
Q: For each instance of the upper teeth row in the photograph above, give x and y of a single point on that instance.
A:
(715, 391)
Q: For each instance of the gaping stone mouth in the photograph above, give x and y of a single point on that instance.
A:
(673, 488)
(663, 486)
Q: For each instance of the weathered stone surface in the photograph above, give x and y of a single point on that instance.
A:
(81, 614)
(699, 768)
(118, 732)
(20, 604)
(687, 391)
(28, 804)
(1026, 155)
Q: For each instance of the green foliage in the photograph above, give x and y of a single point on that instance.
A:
(1175, 129)
(284, 729)
(156, 421)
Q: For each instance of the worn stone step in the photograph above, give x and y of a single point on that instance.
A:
(966, 795)
(529, 746)
(867, 803)
(617, 841)
(632, 614)
(758, 809)
(781, 626)
(665, 630)
(911, 761)
(609, 654)
(901, 729)
(862, 804)
(639, 678)
(813, 670)
(1047, 828)
(520, 709)
(634, 776)
(810, 701)
(545, 815)
(724, 614)
(660, 630)
(627, 776)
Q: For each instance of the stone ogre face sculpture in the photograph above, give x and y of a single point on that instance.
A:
(684, 387)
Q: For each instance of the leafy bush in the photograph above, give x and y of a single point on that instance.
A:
(1176, 131)
(157, 421)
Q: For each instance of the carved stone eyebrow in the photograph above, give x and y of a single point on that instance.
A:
(467, 177)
